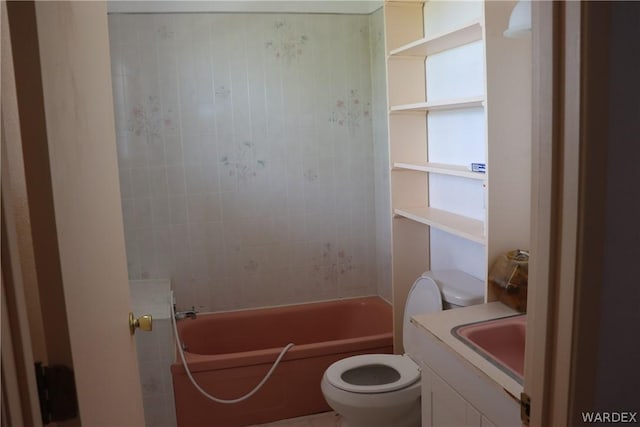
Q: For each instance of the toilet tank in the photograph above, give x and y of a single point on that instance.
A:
(458, 288)
(436, 290)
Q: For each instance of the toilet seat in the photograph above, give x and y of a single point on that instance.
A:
(407, 369)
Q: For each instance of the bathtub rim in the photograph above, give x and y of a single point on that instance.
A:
(206, 362)
(293, 304)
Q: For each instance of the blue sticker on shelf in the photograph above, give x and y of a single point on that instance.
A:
(478, 167)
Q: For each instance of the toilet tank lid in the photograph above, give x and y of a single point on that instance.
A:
(458, 287)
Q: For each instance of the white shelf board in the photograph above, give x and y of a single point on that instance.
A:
(468, 33)
(459, 225)
(450, 104)
(441, 168)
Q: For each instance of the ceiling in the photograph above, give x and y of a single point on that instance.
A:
(300, 6)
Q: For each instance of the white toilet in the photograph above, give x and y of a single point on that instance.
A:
(383, 390)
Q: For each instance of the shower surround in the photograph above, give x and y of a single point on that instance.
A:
(252, 169)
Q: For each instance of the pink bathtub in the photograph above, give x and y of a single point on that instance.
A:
(229, 353)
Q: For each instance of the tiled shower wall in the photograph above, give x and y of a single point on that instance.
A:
(246, 153)
(381, 154)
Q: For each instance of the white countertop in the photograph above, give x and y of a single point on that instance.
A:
(441, 323)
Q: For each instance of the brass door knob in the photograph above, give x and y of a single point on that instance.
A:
(145, 323)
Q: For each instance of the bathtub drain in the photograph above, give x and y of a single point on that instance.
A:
(182, 347)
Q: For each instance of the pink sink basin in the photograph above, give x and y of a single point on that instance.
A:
(500, 341)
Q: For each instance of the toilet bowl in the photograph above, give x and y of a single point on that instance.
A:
(383, 390)
(374, 390)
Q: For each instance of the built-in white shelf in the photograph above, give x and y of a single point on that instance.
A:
(468, 33)
(448, 104)
(441, 168)
(468, 228)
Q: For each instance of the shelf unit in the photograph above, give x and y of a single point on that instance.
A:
(436, 47)
(471, 102)
(459, 36)
(458, 225)
(440, 168)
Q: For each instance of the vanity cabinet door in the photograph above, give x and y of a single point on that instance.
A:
(442, 406)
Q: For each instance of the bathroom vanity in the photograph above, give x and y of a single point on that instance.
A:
(459, 385)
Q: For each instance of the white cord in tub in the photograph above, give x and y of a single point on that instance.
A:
(197, 386)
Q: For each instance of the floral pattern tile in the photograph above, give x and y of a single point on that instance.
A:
(350, 111)
(165, 33)
(244, 163)
(310, 175)
(222, 92)
(287, 43)
(148, 121)
(332, 264)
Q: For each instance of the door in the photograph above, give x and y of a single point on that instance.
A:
(573, 133)
(63, 178)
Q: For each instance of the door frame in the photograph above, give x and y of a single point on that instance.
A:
(20, 346)
(571, 43)
(63, 181)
